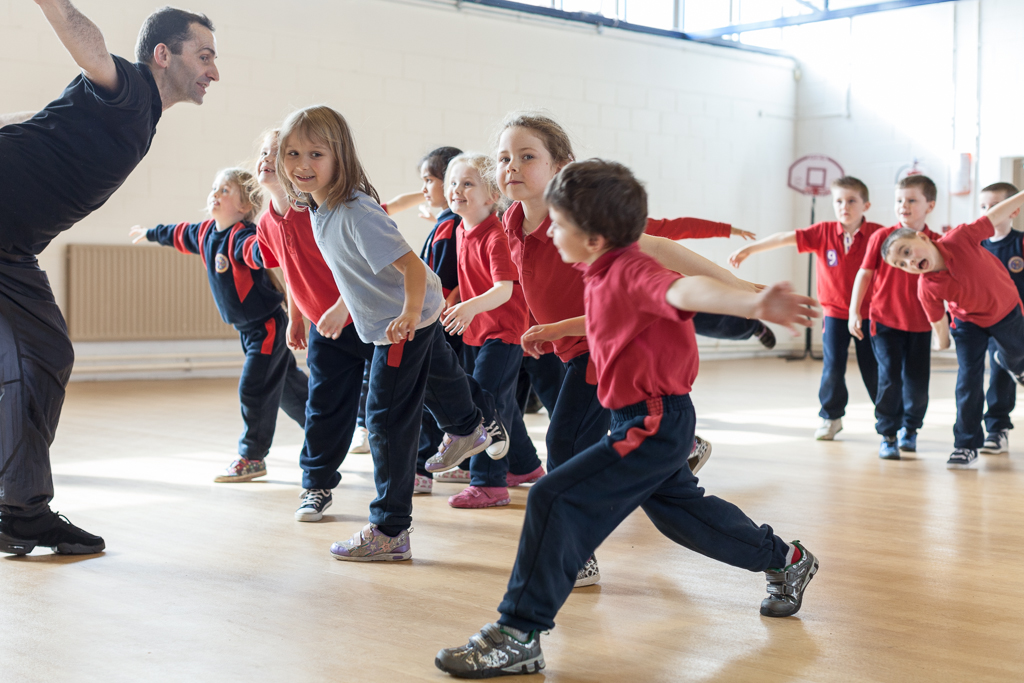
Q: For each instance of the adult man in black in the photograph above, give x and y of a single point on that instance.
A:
(56, 167)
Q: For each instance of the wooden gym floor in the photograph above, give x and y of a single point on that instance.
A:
(920, 574)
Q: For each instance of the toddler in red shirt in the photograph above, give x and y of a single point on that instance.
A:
(899, 329)
(635, 309)
(840, 246)
(983, 302)
(491, 319)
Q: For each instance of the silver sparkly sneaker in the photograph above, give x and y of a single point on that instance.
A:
(454, 449)
(786, 586)
(369, 544)
(490, 653)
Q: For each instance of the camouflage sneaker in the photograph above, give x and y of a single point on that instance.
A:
(699, 454)
(492, 652)
(242, 470)
(589, 575)
(369, 544)
(786, 586)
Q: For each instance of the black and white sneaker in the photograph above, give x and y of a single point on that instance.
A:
(589, 575)
(786, 586)
(997, 442)
(962, 459)
(765, 336)
(998, 358)
(493, 652)
(21, 535)
(499, 439)
(314, 502)
(699, 454)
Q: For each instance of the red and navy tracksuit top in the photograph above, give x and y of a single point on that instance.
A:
(242, 290)
(439, 251)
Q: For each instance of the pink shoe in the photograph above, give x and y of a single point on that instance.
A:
(517, 479)
(480, 497)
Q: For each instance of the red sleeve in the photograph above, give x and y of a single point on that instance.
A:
(648, 286)
(810, 239)
(269, 259)
(686, 228)
(500, 257)
(873, 254)
(933, 307)
(980, 230)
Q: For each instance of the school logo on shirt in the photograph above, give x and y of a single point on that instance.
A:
(1016, 264)
(832, 257)
(221, 263)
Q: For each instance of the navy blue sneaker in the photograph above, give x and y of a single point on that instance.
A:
(888, 450)
(906, 440)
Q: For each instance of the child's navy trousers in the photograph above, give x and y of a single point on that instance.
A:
(335, 376)
(270, 379)
(904, 367)
(972, 343)
(642, 463)
(835, 339)
(578, 420)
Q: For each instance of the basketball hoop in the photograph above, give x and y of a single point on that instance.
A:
(813, 175)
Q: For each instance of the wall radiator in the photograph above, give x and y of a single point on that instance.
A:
(139, 293)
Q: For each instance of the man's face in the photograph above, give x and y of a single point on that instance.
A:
(190, 73)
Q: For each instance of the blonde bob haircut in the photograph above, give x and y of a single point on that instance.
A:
(248, 187)
(323, 125)
(482, 164)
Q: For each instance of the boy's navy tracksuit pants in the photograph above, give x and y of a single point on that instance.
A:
(642, 463)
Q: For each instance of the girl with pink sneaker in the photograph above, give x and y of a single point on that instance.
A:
(491, 320)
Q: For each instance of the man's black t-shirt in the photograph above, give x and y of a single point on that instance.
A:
(66, 161)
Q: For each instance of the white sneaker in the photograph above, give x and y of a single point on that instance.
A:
(423, 484)
(997, 442)
(828, 429)
(360, 441)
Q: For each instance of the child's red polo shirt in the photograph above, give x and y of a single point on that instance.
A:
(483, 260)
(287, 242)
(975, 283)
(893, 292)
(838, 261)
(641, 346)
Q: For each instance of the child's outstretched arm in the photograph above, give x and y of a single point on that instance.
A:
(777, 304)
(941, 329)
(860, 290)
(406, 201)
(414, 272)
(83, 41)
(1004, 209)
(458, 317)
(185, 237)
(779, 239)
(676, 257)
(534, 338)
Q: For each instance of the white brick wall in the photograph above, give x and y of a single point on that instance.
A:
(409, 78)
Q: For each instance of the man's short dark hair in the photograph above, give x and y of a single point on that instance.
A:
(1008, 189)
(921, 182)
(602, 198)
(170, 26)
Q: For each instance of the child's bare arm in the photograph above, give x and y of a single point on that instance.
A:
(535, 337)
(457, 318)
(941, 329)
(83, 40)
(332, 322)
(860, 290)
(777, 303)
(403, 202)
(675, 256)
(296, 332)
(415, 274)
(780, 239)
(1004, 209)
(745, 234)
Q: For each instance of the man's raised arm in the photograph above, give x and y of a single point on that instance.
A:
(83, 40)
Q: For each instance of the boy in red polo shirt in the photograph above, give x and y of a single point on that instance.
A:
(635, 310)
(984, 303)
(840, 247)
(900, 333)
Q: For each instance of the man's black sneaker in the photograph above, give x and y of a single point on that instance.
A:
(786, 586)
(492, 652)
(499, 439)
(766, 337)
(20, 535)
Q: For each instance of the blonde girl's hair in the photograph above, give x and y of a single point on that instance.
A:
(327, 127)
(481, 163)
(554, 137)
(248, 187)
